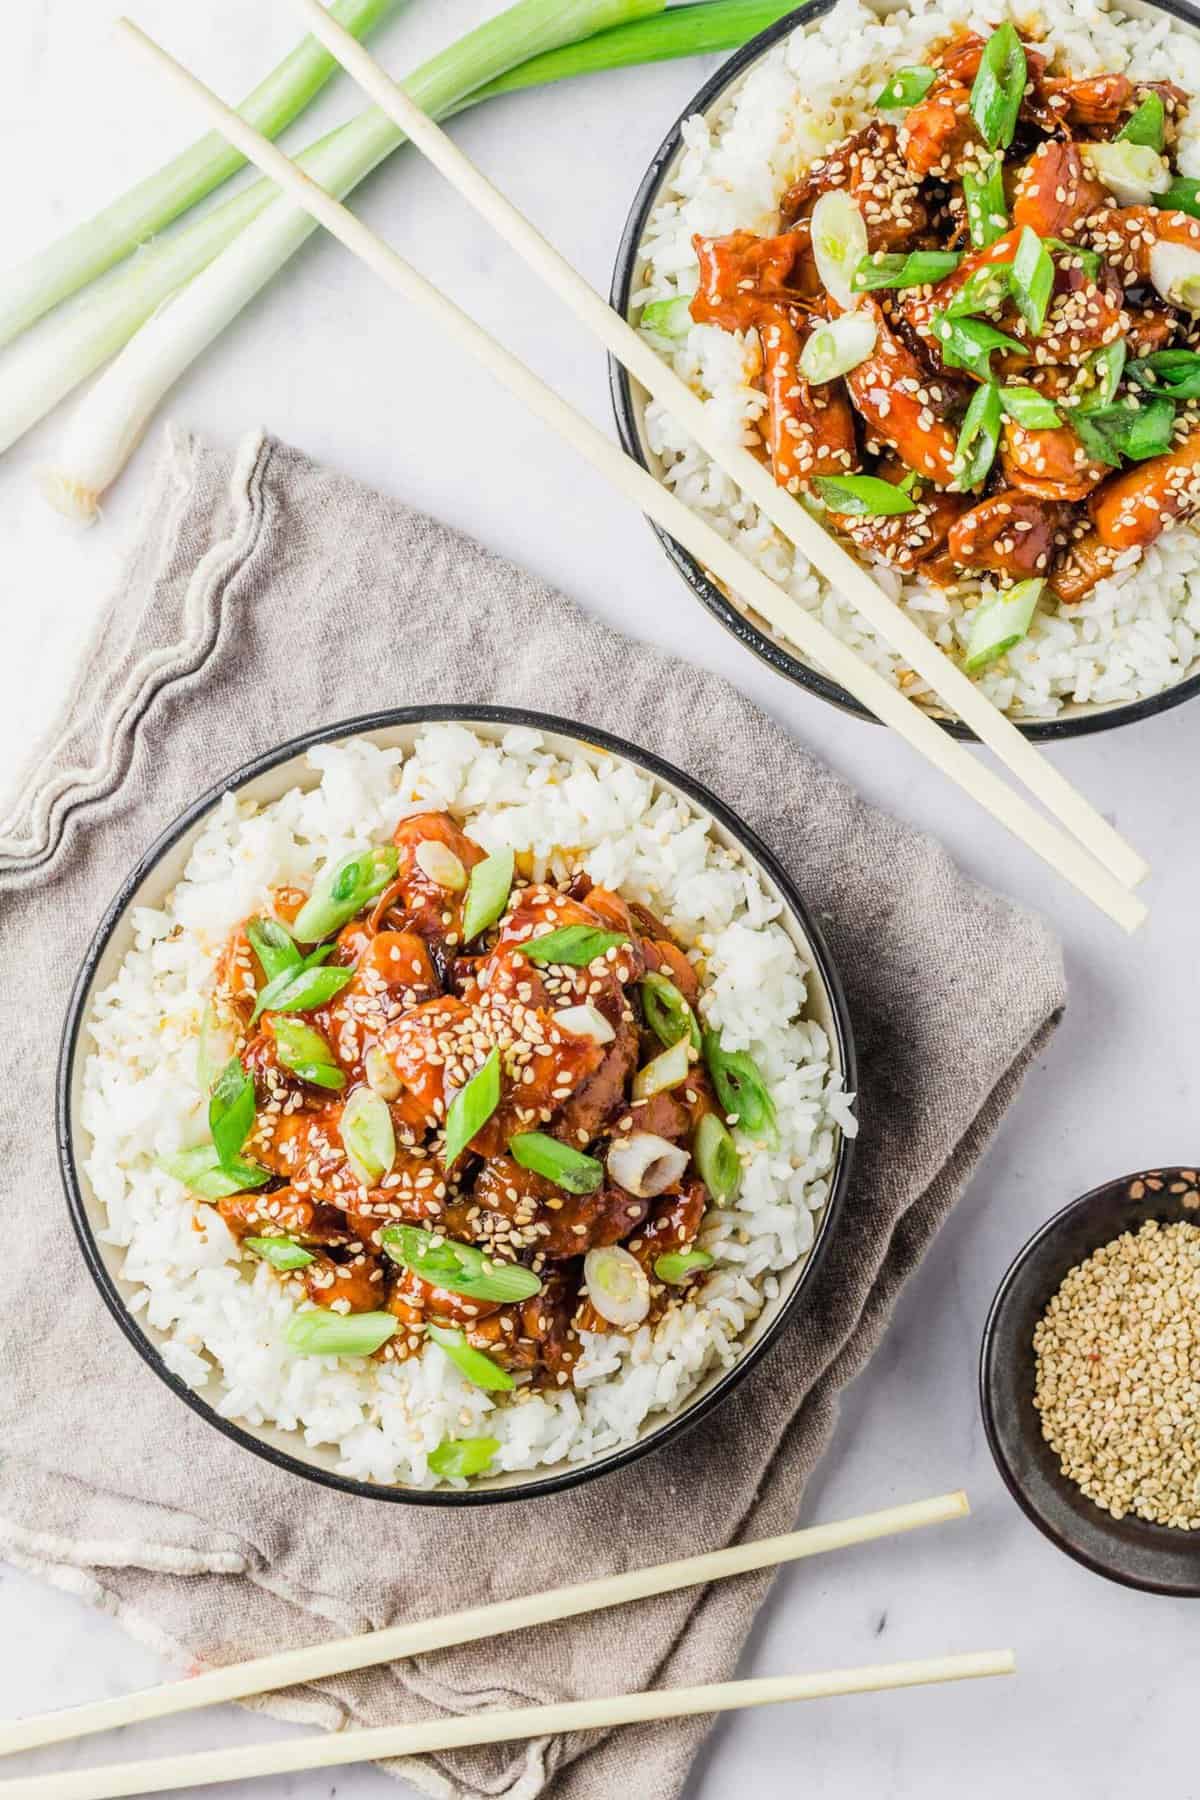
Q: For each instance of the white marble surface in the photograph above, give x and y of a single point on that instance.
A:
(328, 360)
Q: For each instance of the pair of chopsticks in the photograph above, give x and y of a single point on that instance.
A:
(1083, 848)
(291, 1667)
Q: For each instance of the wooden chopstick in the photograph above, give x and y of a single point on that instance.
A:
(1064, 853)
(166, 1774)
(989, 724)
(291, 1668)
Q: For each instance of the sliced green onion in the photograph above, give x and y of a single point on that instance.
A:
(839, 243)
(717, 1158)
(669, 318)
(382, 1078)
(560, 1163)
(998, 88)
(969, 344)
(837, 346)
(460, 1458)
(920, 268)
(1133, 173)
(231, 1109)
(863, 496)
(667, 1012)
(472, 1107)
(1029, 408)
(906, 87)
(572, 946)
(459, 1268)
(1032, 280)
(1091, 259)
(1105, 367)
(441, 865)
(324, 1333)
(1147, 125)
(487, 893)
(477, 1367)
(675, 1266)
(368, 1136)
(616, 1285)
(987, 209)
(1175, 373)
(668, 1070)
(983, 289)
(274, 947)
(999, 623)
(301, 989)
(1175, 272)
(979, 438)
(202, 1170)
(282, 1253)
(307, 1054)
(1183, 195)
(344, 890)
(1110, 432)
(740, 1087)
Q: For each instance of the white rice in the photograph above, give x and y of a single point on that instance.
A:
(224, 1322)
(1137, 632)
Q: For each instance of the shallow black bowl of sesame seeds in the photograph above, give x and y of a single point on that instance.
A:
(1130, 1290)
(629, 405)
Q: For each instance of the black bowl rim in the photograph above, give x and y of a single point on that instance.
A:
(759, 642)
(989, 1346)
(587, 735)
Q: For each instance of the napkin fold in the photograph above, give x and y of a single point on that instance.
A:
(265, 595)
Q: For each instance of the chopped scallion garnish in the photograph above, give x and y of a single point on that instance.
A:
(667, 1012)
(574, 946)
(1183, 195)
(307, 1054)
(282, 1253)
(1029, 408)
(1146, 125)
(668, 1070)
(838, 235)
(487, 893)
(1109, 432)
(979, 438)
(717, 1158)
(460, 1458)
(1175, 373)
(202, 1171)
(472, 1363)
(970, 343)
(999, 623)
(231, 1110)
(668, 318)
(987, 209)
(1104, 367)
(458, 1268)
(835, 346)
(325, 1333)
(998, 88)
(863, 496)
(274, 946)
(368, 1136)
(1032, 280)
(343, 891)
(984, 288)
(302, 988)
(920, 268)
(560, 1163)
(906, 87)
(1090, 259)
(472, 1107)
(740, 1087)
(675, 1266)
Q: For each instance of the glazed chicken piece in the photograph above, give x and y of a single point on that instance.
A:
(392, 974)
(810, 429)
(1093, 101)
(748, 281)
(427, 905)
(672, 1225)
(1054, 190)
(938, 130)
(1011, 533)
(899, 402)
(283, 1213)
(516, 1210)
(1125, 236)
(1050, 463)
(869, 165)
(1150, 328)
(1084, 563)
(421, 1299)
(1136, 506)
(417, 1047)
(906, 540)
(919, 304)
(537, 1334)
(353, 1286)
(602, 1093)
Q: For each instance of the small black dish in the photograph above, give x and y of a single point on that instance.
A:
(629, 399)
(1157, 1558)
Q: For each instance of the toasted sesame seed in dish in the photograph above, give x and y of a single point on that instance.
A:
(466, 1106)
(941, 268)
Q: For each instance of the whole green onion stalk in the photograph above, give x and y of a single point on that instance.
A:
(87, 251)
(226, 257)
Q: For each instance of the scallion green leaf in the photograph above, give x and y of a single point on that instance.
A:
(970, 343)
(487, 893)
(274, 946)
(1032, 280)
(979, 438)
(998, 88)
(1175, 373)
(368, 1136)
(1183, 196)
(667, 1012)
(905, 87)
(302, 989)
(461, 1458)
(1104, 368)
(1146, 125)
(1090, 259)
(574, 946)
(560, 1163)
(1109, 432)
(668, 318)
(472, 1363)
(282, 1253)
(459, 1268)
(863, 496)
(202, 1170)
(307, 1054)
(740, 1087)
(668, 1070)
(472, 1107)
(835, 346)
(674, 1266)
(344, 890)
(325, 1333)
(987, 209)
(984, 288)
(1029, 408)
(717, 1158)
(231, 1109)
(999, 623)
(920, 268)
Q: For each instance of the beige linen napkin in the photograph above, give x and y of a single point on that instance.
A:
(266, 595)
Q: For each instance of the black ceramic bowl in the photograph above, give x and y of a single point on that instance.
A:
(1130, 1550)
(629, 402)
(265, 779)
